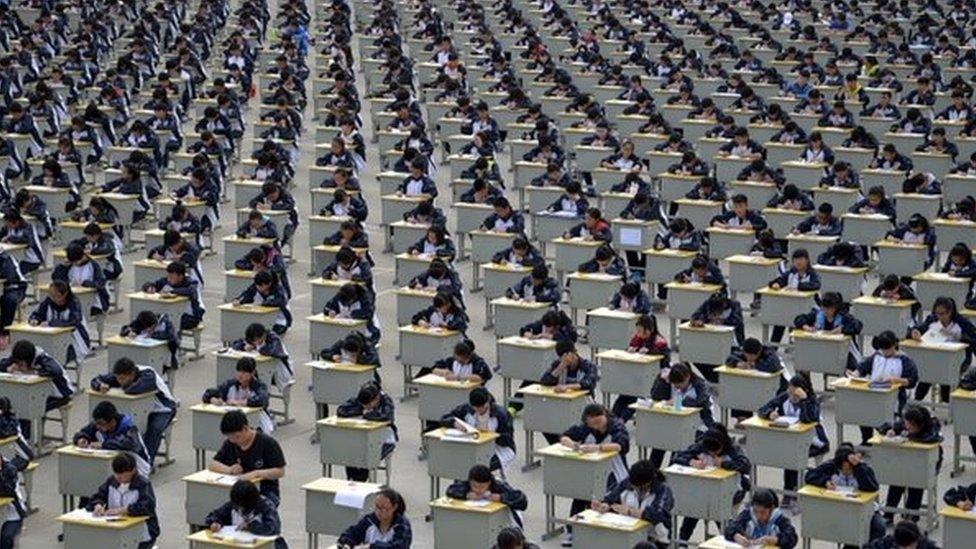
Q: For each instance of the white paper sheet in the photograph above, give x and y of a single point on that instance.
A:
(353, 496)
(631, 237)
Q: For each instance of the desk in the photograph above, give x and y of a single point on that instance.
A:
(748, 273)
(498, 278)
(901, 258)
(324, 289)
(326, 330)
(821, 352)
(958, 527)
(955, 187)
(235, 282)
(813, 244)
(609, 328)
(524, 359)
(910, 464)
(675, 186)
(950, 231)
(323, 516)
(684, 298)
(572, 252)
(204, 539)
(438, 395)
(829, 515)
(591, 290)
(891, 180)
(351, 442)
(170, 305)
(206, 427)
(393, 206)
(81, 471)
(469, 217)
(612, 204)
(335, 382)
(81, 531)
(74, 230)
(782, 221)
(962, 412)
(879, 314)
(719, 542)
(908, 204)
(857, 403)
(53, 339)
(324, 255)
(234, 319)
(938, 363)
(150, 270)
(409, 266)
(227, 364)
(410, 301)
(236, 248)
(547, 411)
(781, 307)
(707, 344)
(624, 373)
(699, 212)
(511, 314)
(724, 243)
(805, 175)
(779, 447)
(745, 389)
(660, 426)
(571, 474)
(28, 399)
(452, 457)
(422, 347)
(929, 286)
(592, 530)
(633, 234)
(756, 192)
(459, 523)
(406, 234)
(138, 406)
(704, 494)
(662, 265)
(841, 198)
(847, 281)
(865, 229)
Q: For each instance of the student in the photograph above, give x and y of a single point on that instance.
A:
(537, 287)
(464, 365)
(111, 430)
(138, 380)
(266, 291)
(96, 242)
(436, 243)
(906, 535)
(504, 219)
(702, 271)
(822, 223)
(512, 538)
(917, 424)
(27, 359)
(798, 401)
(248, 511)
(847, 469)
(148, 325)
(14, 291)
(266, 258)
(800, 276)
(440, 278)
(258, 339)
(598, 431)
(606, 261)
(178, 283)
(961, 264)
(554, 325)
(842, 254)
(631, 298)
(644, 494)
(740, 216)
(593, 227)
(351, 266)
(678, 386)
(15, 512)
(127, 493)
(892, 288)
(915, 231)
(372, 404)
(945, 324)
(62, 309)
(720, 310)
(80, 270)
(17, 230)
(244, 389)
(521, 253)
(274, 198)
(833, 316)
(570, 372)
(258, 226)
(887, 365)
(346, 204)
(714, 449)
(177, 248)
(481, 485)
(484, 414)
(753, 355)
(10, 427)
(387, 526)
(443, 313)
(874, 203)
(763, 523)
(647, 339)
(250, 455)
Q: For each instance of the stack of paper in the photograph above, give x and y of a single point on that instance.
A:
(231, 533)
(785, 421)
(618, 520)
(353, 496)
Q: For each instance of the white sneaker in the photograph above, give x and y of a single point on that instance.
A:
(568, 540)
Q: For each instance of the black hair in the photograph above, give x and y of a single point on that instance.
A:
(124, 366)
(233, 421)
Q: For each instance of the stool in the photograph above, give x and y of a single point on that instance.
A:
(64, 413)
(28, 476)
(166, 450)
(196, 334)
(284, 396)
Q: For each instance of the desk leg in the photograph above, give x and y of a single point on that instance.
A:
(839, 431)
(475, 277)
(529, 450)
(507, 392)
(765, 333)
(957, 467)
(489, 315)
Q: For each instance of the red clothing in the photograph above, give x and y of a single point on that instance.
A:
(654, 344)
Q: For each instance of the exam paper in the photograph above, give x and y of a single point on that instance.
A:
(84, 514)
(231, 533)
(631, 237)
(352, 496)
(617, 520)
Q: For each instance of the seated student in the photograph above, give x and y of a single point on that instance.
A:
(906, 535)
(182, 221)
(762, 524)
(790, 198)
(554, 325)
(130, 183)
(31, 205)
(266, 291)
(349, 265)
(444, 313)
(570, 372)
(961, 263)
(418, 183)
(916, 424)
(706, 189)
(386, 526)
(17, 230)
(606, 261)
(847, 469)
(876, 202)
(915, 231)
(248, 511)
(274, 198)
(244, 389)
(644, 495)
(631, 298)
(945, 324)
(148, 325)
(740, 216)
(350, 234)
(644, 207)
(62, 309)
(572, 203)
(257, 339)
(593, 227)
(425, 214)
(598, 431)
(521, 253)
(963, 210)
(753, 355)
(96, 242)
(137, 380)
(633, 184)
(720, 310)
(111, 430)
(481, 192)
(177, 248)
(249, 454)
(841, 175)
(922, 183)
(26, 358)
(481, 485)
(537, 286)
(680, 235)
(800, 276)
(679, 381)
(714, 449)
(203, 188)
(742, 146)
(11, 467)
(701, 271)
(436, 243)
(885, 366)
(842, 254)
(257, 226)
(127, 493)
(504, 219)
(178, 283)
(346, 204)
(266, 258)
(833, 316)
(371, 403)
(798, 401)
(511, 537)
(484, 414)
(464, 365)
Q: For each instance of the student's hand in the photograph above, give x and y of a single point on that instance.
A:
(82, 443)
(332, 314)
(775, 285)
(150, 290)
(95, 445)
(559, 389)
(774, 415)
(99, 510)
(101, 387)
(965, 505)
(890, 433)
(697, 323)
(216, 401)
(697, 463)
(248, 347)
(414, 252)
(236, 469)
(422, 323)
(336, 358)
(809, 328)
(251, 475)
(34, 322)
(831, 485)
(215, 527)
(599, 506)
(767, 540)
(590, 448)
(916, 335)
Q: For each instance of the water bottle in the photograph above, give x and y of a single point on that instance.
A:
(678, 397)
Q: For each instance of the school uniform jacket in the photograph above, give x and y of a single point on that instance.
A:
(25, 234)
(262, 521)
(515, 223)
(617, 267)
(147, 381)
(862, 477)
(733, 460)
(691, 242)
(730, 317)
(530, 259)
(367, 531)
(729, 218)
(274, 348)
(367, 355)
(362, 308)
(164, 331)
(46, 366)
(188, 289)
(641, 304)
(655, 505)
(125, 438)
(503, 424)
(877, 367)
(697, 395)
(453, 321)
(547, 292)
(807, 410)
(385, 411)
(478, 366)
(601, 232)
(266, 230)
(10, 481)
(513, 498)
(809, 280)
(139, 501)
(563, 333)
(616, 433)
(585, 374)
(779, 525)
(450, 282)
(277, 297)
(445, 250)
(67, 315)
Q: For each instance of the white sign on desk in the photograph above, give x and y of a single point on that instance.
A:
(353, 496)
(631, 237)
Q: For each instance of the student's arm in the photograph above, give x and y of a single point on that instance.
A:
(512, 497)
(458, 490)
(146, 504)
(266, 521)
(787, 538)
(866, 479)
(659, 512)
(100, 497)
(354, 534)
(220, 516)
(224, 461)
(145, 382)
(766, 410)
